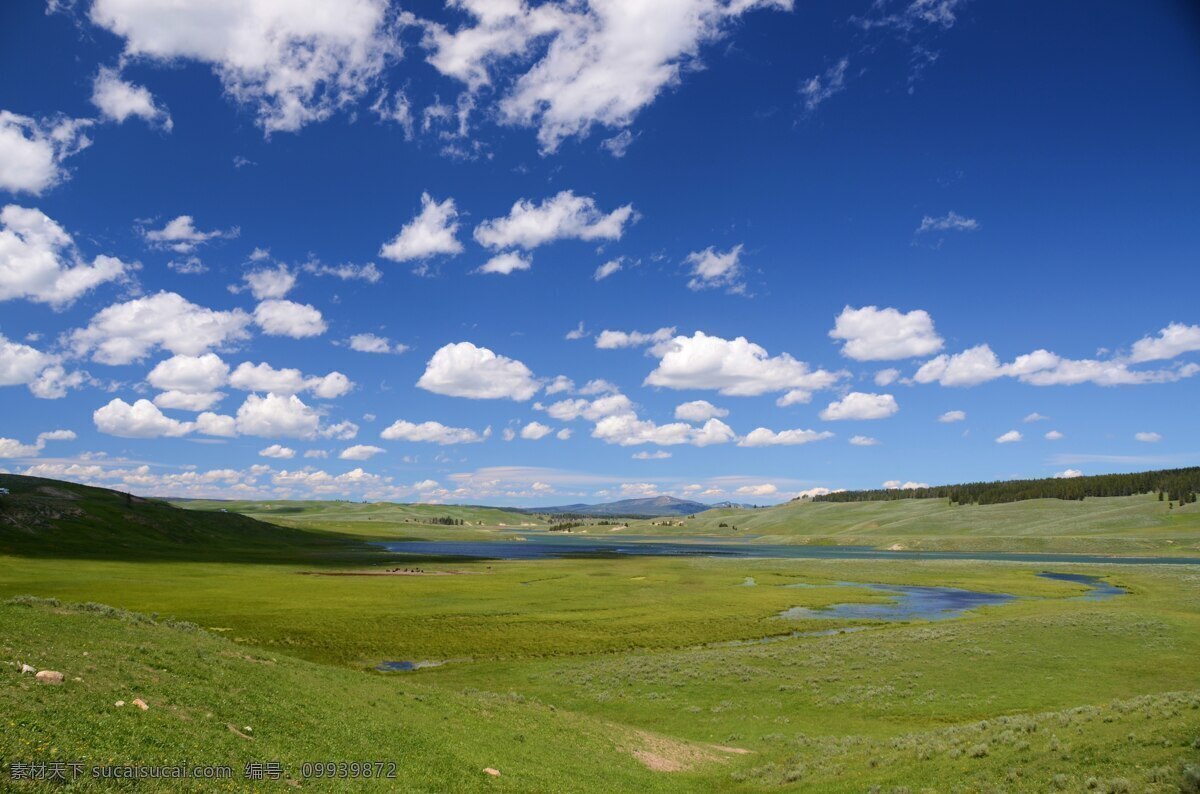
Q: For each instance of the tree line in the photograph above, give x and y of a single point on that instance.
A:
(1172, 485)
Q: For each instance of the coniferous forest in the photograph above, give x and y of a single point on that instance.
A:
(1178, 486)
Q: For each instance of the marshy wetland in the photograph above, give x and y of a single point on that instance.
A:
(660, 672)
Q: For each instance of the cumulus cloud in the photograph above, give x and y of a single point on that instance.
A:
(506, 263)
(764, 437)
(1148, 438)
(181, 235)
(874, 334)
(1053, 435)
(361, 452)
(699, 411)
(22, 365)
(211, 424)
(12, 448)
(143, 419)
(32, 151)
(904, 486)
(564, 216)
(950, 222)
(189, 374)
(735, 367)
(1010, 437)
(431, 432)
(39, 262)
(596, 63)
(293, 63)
(277, 451)
(128, 332)
(432, 232)
(858, 405)
(713, 269)
(1174, 340)
(626, 429)
(864, 441)
(1034, 417)
(762, 489)
(535, 431)
(270, 282)
(611, 340)
(953, 416)
(980, 364)
(118, 99)
(371, 343)
(288, 318)
(886, 377)
(188, 401)
(465, 370)
(1068, 474)
(262, 377)
(276, 416)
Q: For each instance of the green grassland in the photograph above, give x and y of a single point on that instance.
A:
(1117, 525)
(634, 673)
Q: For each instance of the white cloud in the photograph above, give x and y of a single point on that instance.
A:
(577, 332)
(192, 266)
(699, 411)
(276, 416)
(904, 486)
(601, 63)
(143, 419)
(346, 272)
(564, 434)
(712, 269)
(1068, 474)
(1053, 435)
(1174, 340)
(626, 429)
(763, 489)
(864, 441)
(294, 63)
(31, 151)
(1148, 438)
(535, 431)
(54, 381)
(432, 232)
(564, 216)
(611, 340)
(38, 260)
(765, 437)
(506, 263)
(734, 367)
(432, 432)
(874, 334)
(821, 87)
(950, 222)
(858, 405)
(188, 401)
(370, 343)
(342, 431)
(277, 451)
(361, 452)
(591, 410)
(1010, 437)
(560, 384)
(953, 416)
(12, 448)
(263, 377)
(22, 365)
(181, 235)
(464, 370)
(980, 364)
(1034, 417)
(288, 318)
(211, 424)
(607, 269)
(127, 332)
(270, 282)
(660, 454)
(316, 453)
(189, 374)
(886, 377)
(119, 99)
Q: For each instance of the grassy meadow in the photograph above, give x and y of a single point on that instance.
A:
(633, 673)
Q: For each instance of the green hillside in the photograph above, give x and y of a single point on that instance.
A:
(51, 518)
(1125, 524)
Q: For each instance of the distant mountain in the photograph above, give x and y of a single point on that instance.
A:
(651, 507)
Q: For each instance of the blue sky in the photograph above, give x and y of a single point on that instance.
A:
(341, 252)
